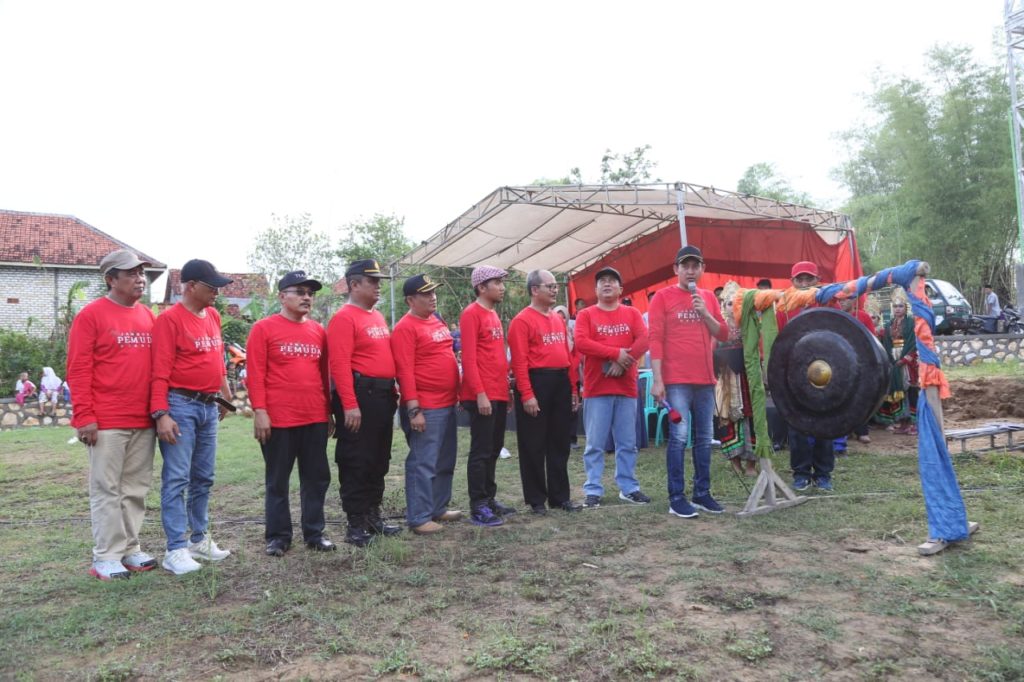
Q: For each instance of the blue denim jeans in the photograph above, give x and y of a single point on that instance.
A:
(430, 465)
(615, 416)
(698, 401)
(188, 467)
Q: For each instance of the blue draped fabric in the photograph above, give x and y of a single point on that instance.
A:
(947, 515)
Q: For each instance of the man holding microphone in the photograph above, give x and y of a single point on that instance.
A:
(684, 323)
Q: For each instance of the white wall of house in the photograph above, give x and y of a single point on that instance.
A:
(38, 293)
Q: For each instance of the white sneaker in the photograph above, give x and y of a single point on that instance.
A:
(504, 454)
(180, 562)
(139, 561)
(207, 549)
(109, 570)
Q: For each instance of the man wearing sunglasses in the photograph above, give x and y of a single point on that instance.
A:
(289, 388)
(188, 376)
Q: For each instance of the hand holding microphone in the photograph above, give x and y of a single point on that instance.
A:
(673, 414)
(698, 301)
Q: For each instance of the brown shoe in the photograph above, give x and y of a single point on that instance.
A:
(864, 439)
(450, 515)
(428, 528)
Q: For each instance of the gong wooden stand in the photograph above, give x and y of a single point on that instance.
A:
(765, 491)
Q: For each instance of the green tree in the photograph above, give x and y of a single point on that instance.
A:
(291, 243)
(932, 176)
(382, 237)
(617, 168)
(762, 180)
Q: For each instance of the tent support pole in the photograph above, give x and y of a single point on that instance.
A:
(681, 212)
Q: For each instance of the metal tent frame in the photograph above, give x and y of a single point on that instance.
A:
(565, 228)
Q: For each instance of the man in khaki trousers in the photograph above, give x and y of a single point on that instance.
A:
(108, 371)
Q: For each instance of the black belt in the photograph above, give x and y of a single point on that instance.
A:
(196, 395)
(376, 382)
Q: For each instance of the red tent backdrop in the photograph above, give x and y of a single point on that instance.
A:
(740, 250)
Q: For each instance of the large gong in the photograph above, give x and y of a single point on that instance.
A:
(827, 373)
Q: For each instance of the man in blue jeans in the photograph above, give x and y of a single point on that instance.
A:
(684, 323)
(612, 338)
(428, 381)
(188, 376)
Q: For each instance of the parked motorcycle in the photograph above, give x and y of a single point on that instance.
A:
(1008, 322)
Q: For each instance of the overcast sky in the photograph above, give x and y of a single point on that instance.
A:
(181, 127)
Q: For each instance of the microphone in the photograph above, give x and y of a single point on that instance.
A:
(692, 288)
(673, 414)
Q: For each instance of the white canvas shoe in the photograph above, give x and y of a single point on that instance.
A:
(180, 562)
(207, 549)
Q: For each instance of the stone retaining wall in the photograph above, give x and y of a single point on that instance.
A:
(13, 415)
(973, 350)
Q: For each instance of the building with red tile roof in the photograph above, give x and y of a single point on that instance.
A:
(42, 257)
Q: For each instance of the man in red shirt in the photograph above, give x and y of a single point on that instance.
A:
(611, 338)
(109, 365)
(364, 401)
(684, 323)
(545, 398)
(188, 377)
(289, 389)
(812, 459)
(428, 384)
(484, 392)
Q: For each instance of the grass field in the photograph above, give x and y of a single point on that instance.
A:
(831, 589)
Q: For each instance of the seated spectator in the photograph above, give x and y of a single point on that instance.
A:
(23, 389)
(50, 388)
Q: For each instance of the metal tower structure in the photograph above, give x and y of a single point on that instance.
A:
(1013, 19)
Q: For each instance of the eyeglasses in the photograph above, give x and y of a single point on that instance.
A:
(299, 292)
(211, 288)
(550, 287)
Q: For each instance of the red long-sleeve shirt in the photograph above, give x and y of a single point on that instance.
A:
(187, 353)
(600, 335)
(679, 337)
(109, 365)
(358, 340)
(537, 341)
(484, 364)
(286, 371)
(424, 357)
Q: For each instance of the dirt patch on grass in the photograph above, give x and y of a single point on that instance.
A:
(985, 398)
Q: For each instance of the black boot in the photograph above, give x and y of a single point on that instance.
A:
(357, 533)
(376, 524)
(500, 509)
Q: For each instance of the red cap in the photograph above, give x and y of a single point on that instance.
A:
(803, 267)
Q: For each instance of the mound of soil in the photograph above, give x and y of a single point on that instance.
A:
(985, 398)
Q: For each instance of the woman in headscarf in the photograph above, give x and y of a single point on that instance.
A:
(49, 388)
(899, 409)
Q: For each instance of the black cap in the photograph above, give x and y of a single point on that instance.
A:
(689, 251)
(297, 278)
(419, 284)
(367, 267)
(203, 271)
(608, 271)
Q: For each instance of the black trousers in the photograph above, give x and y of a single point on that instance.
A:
(811, 457)
(486, 439)
(544, 440)
(364, 457)
(306, 445)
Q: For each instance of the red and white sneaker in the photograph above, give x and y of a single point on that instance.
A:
(109, 570)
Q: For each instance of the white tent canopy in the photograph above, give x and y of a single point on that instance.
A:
(564, 228)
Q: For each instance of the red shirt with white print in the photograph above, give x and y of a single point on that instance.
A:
(537, 341)
(600, 336)
(484, 364)
(187, 353)
(286, 371)
(679, 337)
(358, 340)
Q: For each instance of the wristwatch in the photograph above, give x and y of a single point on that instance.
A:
(413, 411)
(159, 413)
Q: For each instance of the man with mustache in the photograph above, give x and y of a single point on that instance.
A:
(289, 388)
